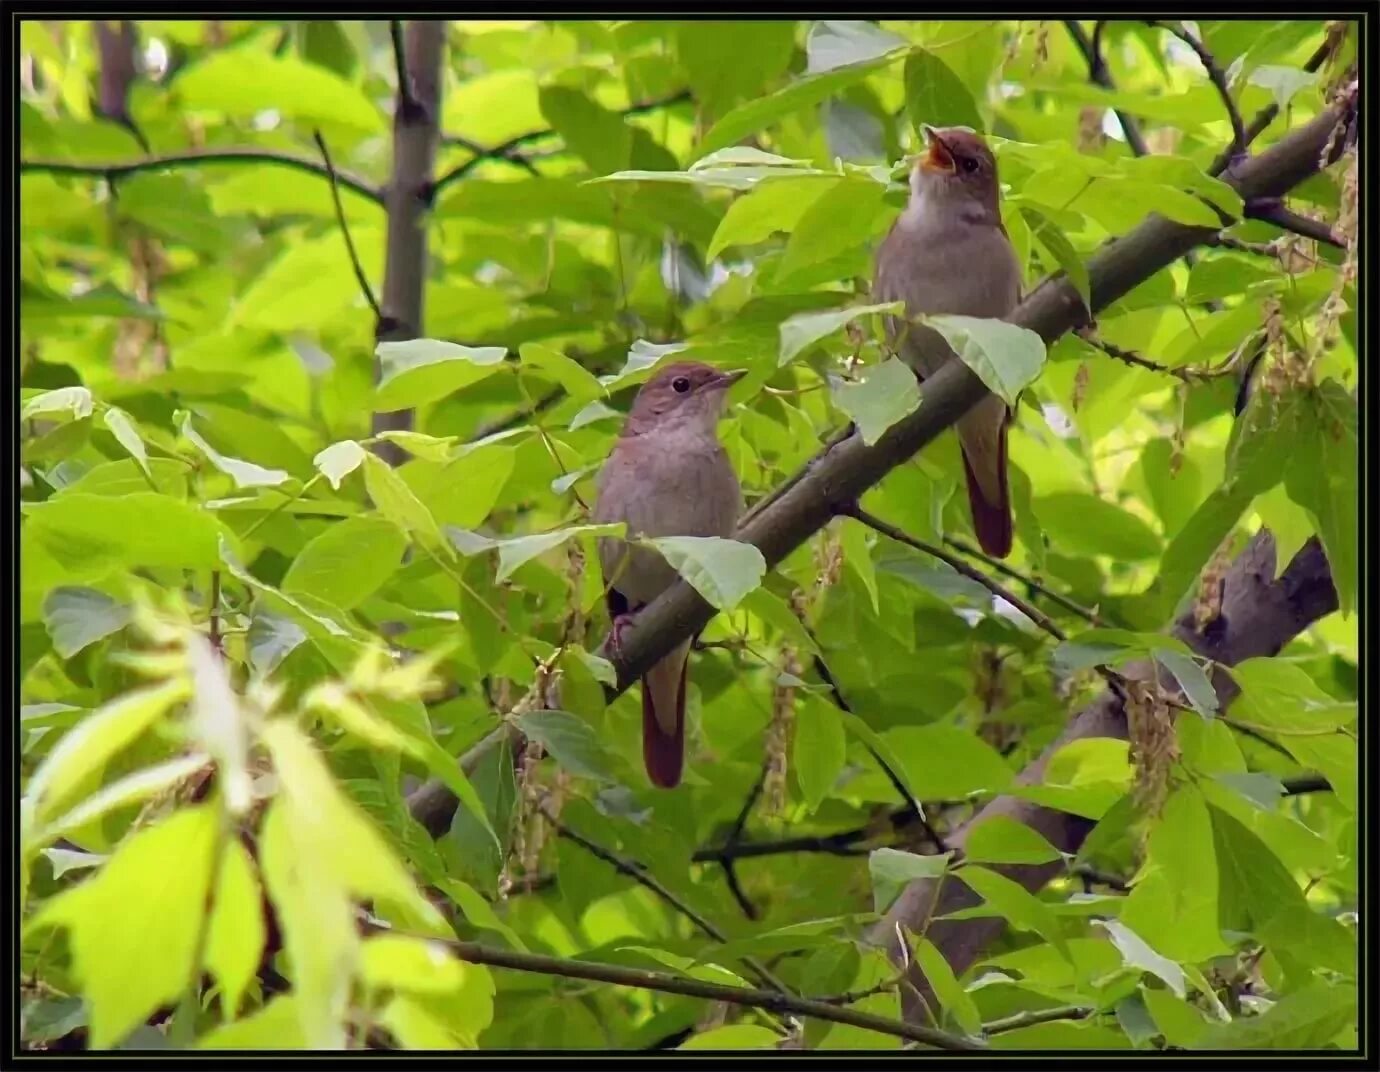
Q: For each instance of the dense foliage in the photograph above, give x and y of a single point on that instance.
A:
(245, 637)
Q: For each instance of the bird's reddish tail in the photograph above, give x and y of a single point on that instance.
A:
(991, 520)
(663, 719)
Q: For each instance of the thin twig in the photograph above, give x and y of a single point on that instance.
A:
(1037, 1016)
(1239, 139)
(345, 228)
(507, 150)
(771, 1000)
(1186, 373)
(1271, 210)
(735, 836)
(892, 532)
(639, 874)
(200, 158)
(214, 634)
(395, 33)
(1098, 72)
(1091, 617)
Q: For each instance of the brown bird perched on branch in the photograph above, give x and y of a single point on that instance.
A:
(948, 253)
(667, 475)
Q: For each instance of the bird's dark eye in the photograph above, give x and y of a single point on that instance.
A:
(969, 164)
(680, 385)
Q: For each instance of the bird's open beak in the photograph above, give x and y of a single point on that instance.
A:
(725, 380)
(938, 157)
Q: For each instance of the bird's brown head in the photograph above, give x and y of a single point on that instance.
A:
(957, 167)
(684, 395)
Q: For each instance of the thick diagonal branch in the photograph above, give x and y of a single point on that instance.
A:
(843, 471)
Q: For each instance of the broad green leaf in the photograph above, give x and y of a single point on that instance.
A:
(943, 762)
(1179, 1022)
(1305, 1019)
(595, 134)
(91, 534)
(1322, 478)
(1137, 954)
(76, 402)
(1280, 697)
(727, 62)
(1282, 82)
(347, 562)
(277, 1026)
(950, 992)
(1020, 908)
(892, 870)
(399, 505)
(430, 448)
(155, 885)
(78, 617)
(572, 742)
(451, 1020)
(235, 938)
(733, 1037)
(937, 96)
(135, 788)
(722, 571)
(831, 44)
(243, 82)
(1255, 886)
(578, 382)
(86, 748)
(425, 370)
(400, 962)
(844, 217)
(1182, 561)
(1056, 245)
(888, 394)
(1192, 678)
(857, 555)
(880, 746)
(1005, 357)
(1002, 840)
(516, 552)
(818, 749)
(217, 724)
(767, 208)
(1087, 524)
(339, 460)
(126, 432)
(800, 331)
(800, 94)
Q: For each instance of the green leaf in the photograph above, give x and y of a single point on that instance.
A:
(767, 208)
(243, 82)
(1020, 908)
(596, 135)
(1077, 523)
(1179, 1022)
(818, 750)
(857, 555)
(516, 552)
(946, 987)
(1305, 1019)
(244, 474)
(1005, 357)
(123, 428)
(942, 762)
(400, 962)
(722, 571)
(802, 93)
(142, 785)
(1282, 82)
(396, 502)
(76, 402)
(845, 216)
(155, 887)
(277, 1026)
(733, 1037)
(831, 44)
(578, 382)
(1136, 954)
(235, 938)
(339, 460)
(78, 617)
(1002, 840)
(1182, 561)
(572, 742)
(1192, 679)
(1255, 886)
(103, 733)
(1322, 478)
(892, 870)
(727, 62)
(888, 394)
(91, 534)
(1281, 698)
(1057, 247)
(430, 448)
(937, 96)
(800, 331)
(348, 562)
(425, 370)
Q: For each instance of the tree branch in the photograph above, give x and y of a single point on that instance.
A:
(1016, 575)
(193, 158)
(345, 228)
(118, 46)
(1037, 1016)
(1188, 373)
(507, 151)
(846, 468)
(1239, 139)
(415, 135)
(1271, 210)
(1098, 73)
(406, 101)
(1259, 616)
(749, 997)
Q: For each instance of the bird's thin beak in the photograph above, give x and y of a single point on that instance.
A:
(726, 380)
(939, 157)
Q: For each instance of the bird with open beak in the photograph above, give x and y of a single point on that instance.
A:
(667, 475)
(948, 253)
